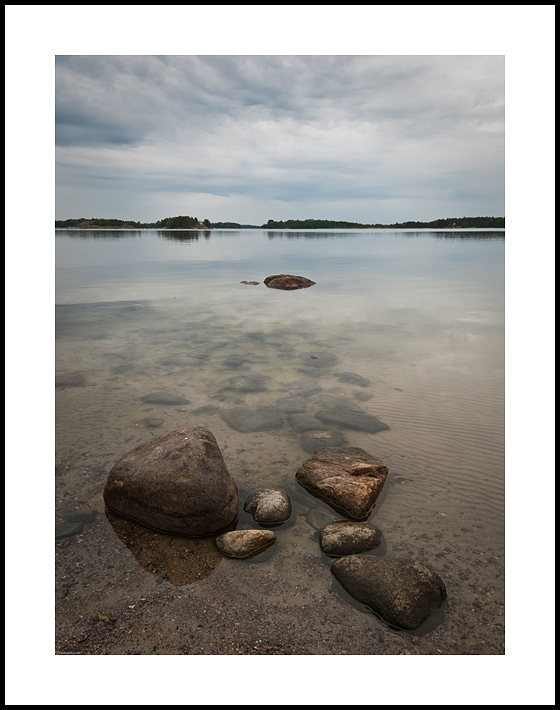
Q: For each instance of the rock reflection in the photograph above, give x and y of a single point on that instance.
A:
(177, 560)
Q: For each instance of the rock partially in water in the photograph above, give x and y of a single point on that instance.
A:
(401, 591)
(348, 478)
(352, 420)
(304, 422)
(247, 383)
(248, 419)
(318, 359)
(288, 282)
(164, 398)
(70, 380)
(62, 530)
(176, 483)
(345, 537)
(354, 379)
(292, 405)
(244, 544)
(250, 283)
(269, 507)
(315, 439)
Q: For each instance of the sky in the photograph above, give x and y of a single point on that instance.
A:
(243, 138)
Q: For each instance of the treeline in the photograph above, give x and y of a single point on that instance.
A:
(83, 223)
(181, 222)
(461, 222)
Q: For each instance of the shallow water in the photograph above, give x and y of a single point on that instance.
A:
(418, 314)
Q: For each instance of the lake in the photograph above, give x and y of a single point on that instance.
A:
(416, 317)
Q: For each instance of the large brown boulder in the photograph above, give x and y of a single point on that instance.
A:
(288, 282)
(403, 592)
(347, 478)
(176, 483)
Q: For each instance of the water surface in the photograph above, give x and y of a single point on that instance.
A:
(420, 314)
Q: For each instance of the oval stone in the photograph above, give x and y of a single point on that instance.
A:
(243, 544)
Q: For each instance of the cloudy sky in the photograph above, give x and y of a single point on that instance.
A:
(249, 138)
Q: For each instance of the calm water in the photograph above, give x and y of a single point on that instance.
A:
(418, 314)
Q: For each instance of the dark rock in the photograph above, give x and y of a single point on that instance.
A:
(304, 422)
(207, 409)
(288, 282)
(269, 507)
(246, 419)
(348, 479)
(353, 379)
(292, 405)
(70, 380)
(164, 398)
(151, 422)
(85, 515)
(318, 359)
(352, 420)
(176, 483)
(250, 283)
(348, 538)
(402, 592)
(247, 383)
(67, 530)
(243, 544)
(316, 439)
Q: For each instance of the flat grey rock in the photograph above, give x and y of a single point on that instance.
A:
(63, 530)
(352, 420)
(318, 359)
(333, 401)
(247, 383)
(84, 515)
(69, 380)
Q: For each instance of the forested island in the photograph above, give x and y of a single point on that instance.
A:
(186, 222)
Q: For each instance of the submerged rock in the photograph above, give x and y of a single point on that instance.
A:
(347, 478)
(332, 401)
(292, 405)
(345, 537)
(269, 507)
(247, 383)
(304, 422)
(243, 544)
(288, 282)
(69, 380)
(248, 419)
(352, 420)
(315, 439)
(151, 422)
(62, 530)
(318, 518)
(164, 398)
(401, 591)
(363, 396)
(353, 379)
(303, 388)
(84, 515)
(176, 483)
(318, 359)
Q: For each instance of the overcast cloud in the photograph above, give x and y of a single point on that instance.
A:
(247, 139)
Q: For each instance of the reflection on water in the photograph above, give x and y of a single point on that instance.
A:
(407, 327)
